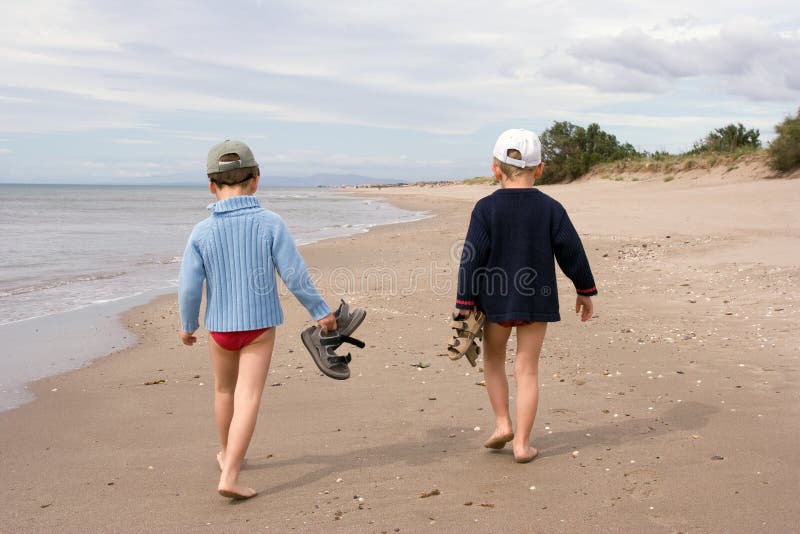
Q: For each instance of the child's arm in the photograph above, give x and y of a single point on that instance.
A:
(293, 271)
(190, 290)
(473, 257)
(572, 259)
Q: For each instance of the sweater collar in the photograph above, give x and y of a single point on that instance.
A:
(234, 203)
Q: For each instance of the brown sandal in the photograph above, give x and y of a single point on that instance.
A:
(467, 329)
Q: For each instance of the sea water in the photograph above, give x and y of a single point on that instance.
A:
(68, 247)
(76, 256)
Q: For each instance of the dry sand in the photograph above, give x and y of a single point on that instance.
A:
(680, 397)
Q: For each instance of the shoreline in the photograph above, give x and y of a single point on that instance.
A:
(96, 331)
(82, 335)
(687, 360)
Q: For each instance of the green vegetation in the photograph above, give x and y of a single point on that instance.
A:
(671, 164)
(729, 138)
(569, 151)
(480, 180)
(784, 151)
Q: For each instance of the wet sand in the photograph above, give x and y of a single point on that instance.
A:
(681, 397)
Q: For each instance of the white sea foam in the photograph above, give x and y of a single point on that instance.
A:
(77, 246)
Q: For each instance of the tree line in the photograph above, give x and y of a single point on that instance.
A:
(569, 151)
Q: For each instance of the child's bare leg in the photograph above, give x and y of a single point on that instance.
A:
(495, 338)
(254, 362)
(226, 371)
(526, 372)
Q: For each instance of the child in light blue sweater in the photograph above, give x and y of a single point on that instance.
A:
(237, 251)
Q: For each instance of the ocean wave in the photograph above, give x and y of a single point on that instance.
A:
(293, 196)
(160, 261)
(60, 282)
(46, 306)
(116, 299)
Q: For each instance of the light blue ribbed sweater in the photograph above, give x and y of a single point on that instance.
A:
(237, 251)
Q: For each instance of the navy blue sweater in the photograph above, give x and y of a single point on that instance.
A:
(507, 268)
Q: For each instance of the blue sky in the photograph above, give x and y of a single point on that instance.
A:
(111, 91)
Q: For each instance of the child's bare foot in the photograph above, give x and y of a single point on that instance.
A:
(499, 439)
(220, 458)
(523, 457)
(236, 491)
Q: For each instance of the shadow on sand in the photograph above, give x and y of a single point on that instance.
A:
(414, 453)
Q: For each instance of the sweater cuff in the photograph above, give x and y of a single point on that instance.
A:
(465, 304)
(319, 311)
(590, 292)
(189, 327)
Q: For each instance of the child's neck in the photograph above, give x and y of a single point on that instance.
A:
(224, 193)
(519, 183)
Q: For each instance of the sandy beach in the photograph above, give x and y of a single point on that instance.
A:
(676, 409)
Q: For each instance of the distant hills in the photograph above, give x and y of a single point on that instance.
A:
(315, 180)
(323, 180)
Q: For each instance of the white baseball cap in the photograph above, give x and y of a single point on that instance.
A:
(525, 141)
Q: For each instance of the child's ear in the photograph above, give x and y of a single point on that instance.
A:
(496, 171)
(254, 184)
(212, 187)
(538, 172)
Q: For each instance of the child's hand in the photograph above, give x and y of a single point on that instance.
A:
(188, 339)
(327, 323)
(583, 305)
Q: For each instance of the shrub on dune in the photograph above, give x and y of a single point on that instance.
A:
(784, 151)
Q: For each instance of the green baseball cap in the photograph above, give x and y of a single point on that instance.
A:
(246, 158)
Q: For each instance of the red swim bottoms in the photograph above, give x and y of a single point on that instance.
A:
(509, 324)
(236, 340)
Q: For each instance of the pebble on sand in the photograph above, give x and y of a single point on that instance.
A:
(155, 382)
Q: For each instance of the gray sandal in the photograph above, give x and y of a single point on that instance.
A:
(347, 320)
(322, 346)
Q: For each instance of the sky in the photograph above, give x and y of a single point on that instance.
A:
(113, 91)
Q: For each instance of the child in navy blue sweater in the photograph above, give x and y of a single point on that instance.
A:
(507, 272)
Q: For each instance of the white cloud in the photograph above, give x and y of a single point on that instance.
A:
(742, 58)
(94, 165)
(441, 69)
(135, 141)
(344, 162)
(5, 151)
(608, 78)
(15, 99)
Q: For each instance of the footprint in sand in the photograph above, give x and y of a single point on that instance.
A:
(641, 483)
